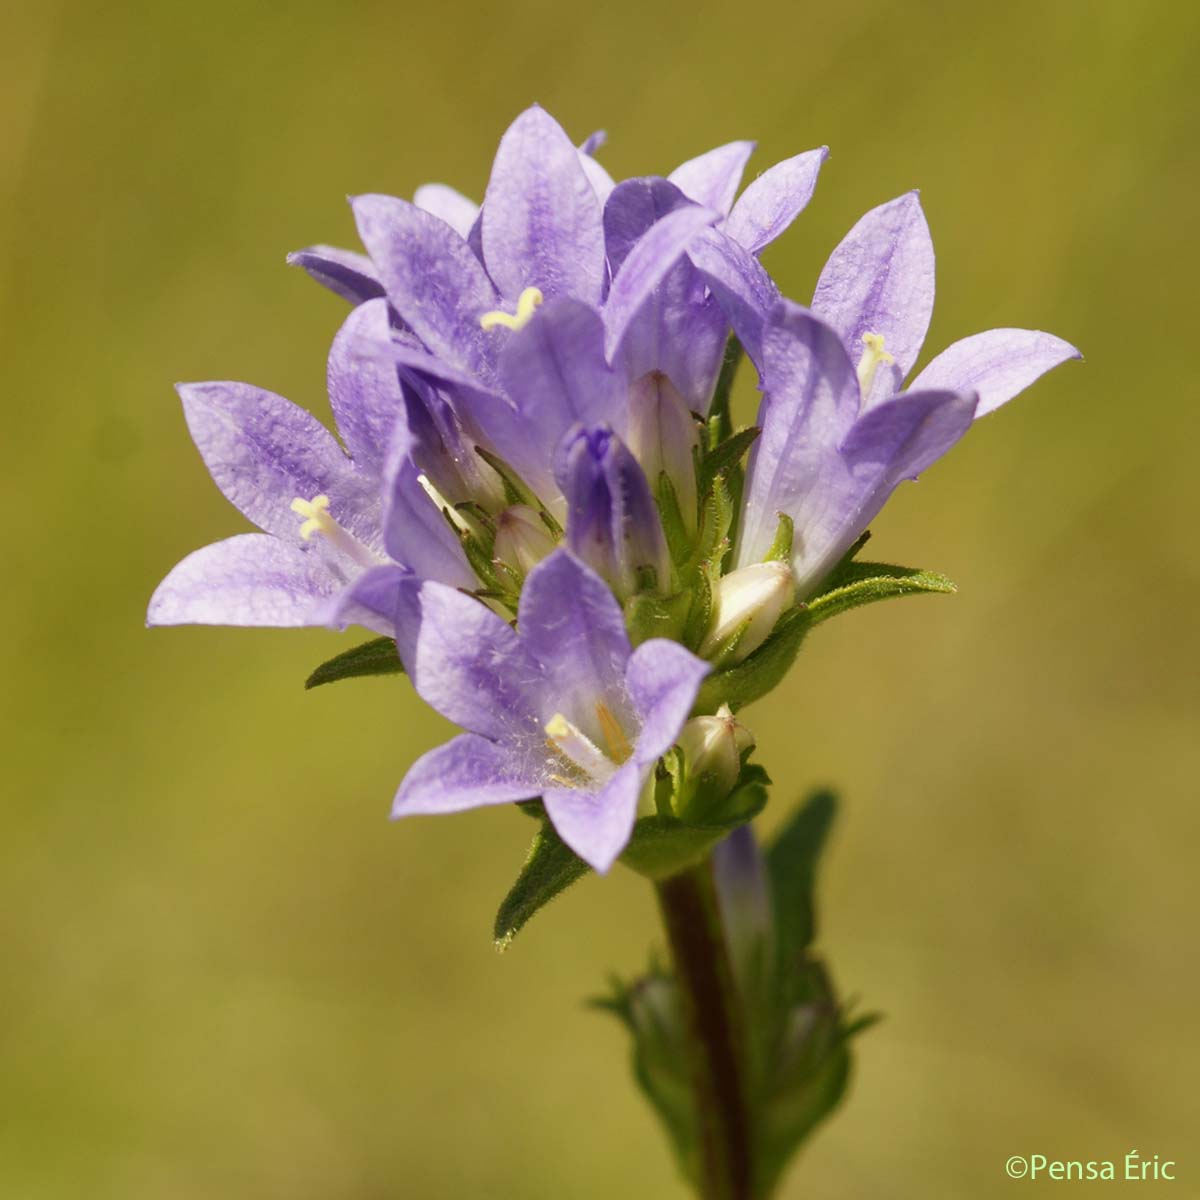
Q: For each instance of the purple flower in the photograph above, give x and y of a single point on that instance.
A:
(559, 708)
(333, 546)
(838, 434)
(545, 359)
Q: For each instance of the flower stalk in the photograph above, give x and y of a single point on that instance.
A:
(714, 1028)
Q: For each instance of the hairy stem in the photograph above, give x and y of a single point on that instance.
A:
(713, 1012)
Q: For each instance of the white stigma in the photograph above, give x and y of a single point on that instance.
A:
(527, 304)
(318, 519)
(873, 355)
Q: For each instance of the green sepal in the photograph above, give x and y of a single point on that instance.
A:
(649, 616)
(551, 866)
(716, 518)
(662, 845)
(515, 489)
(725, 457)
(719, 425)
(377, 657)
(679, 540)
(851, 586)
(781, 546)
(738, 685)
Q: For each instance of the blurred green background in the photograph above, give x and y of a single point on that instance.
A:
(226, 974)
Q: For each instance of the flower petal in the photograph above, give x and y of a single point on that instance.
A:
(433, 279)
(555, 372)
(370, 600)
(712, 178)
(571, 623)
(467, 772)
(364, 391)
(894, 441)
(541, 217)
(645, 267)
(745, 292)
(251, 579)
(470, 665)
(999, 364)
(597, 825)
(774, 200)
(810, 405)
(345, 273)
(663, 679)
(679, 330)
(634, 206)
(898, 439)
(451, 206)
(880, 280)
(602, 182)
(263, 452)
(593, 142)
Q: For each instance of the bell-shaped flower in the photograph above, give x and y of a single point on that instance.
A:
(560, 707)
(838, 434)
(333, 546)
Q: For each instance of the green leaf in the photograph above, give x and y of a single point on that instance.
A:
(550, 867)
(792, 868)
(859, 583)
(377, 657)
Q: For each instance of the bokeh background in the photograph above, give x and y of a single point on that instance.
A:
(226, 974)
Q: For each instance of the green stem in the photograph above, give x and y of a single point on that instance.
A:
(713, 1013)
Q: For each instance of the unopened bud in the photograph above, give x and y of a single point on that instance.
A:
(712, 752)
(747, 604)
(612, 521)
(663, 437)
(522, 539)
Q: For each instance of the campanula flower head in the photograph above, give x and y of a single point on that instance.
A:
(539, 493)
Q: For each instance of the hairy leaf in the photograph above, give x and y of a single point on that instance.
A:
(377, 657)
(550, 867)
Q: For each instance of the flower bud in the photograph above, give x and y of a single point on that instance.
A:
(747, 603)
(522, 539)
(612, 521)
(740, 874)
(712, 752)
(663, 437)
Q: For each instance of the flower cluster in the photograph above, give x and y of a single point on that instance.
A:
(537, 491)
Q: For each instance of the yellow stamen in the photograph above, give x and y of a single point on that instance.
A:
(579, 750)
(527, 304)
(873, 355)
(619, 749)
(316, 514)
(318, 519)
